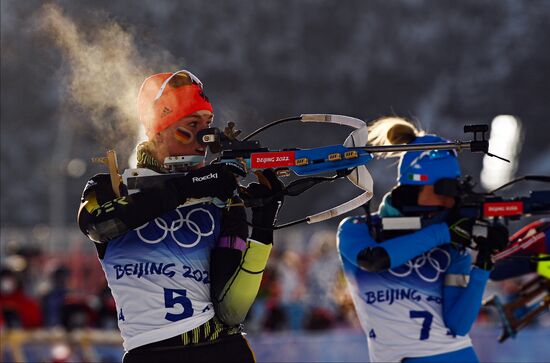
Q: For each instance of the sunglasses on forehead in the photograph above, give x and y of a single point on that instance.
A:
(178, 79)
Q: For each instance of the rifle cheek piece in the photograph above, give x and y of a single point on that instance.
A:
(373, 259)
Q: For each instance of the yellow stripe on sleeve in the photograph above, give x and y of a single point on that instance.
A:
(91, 203)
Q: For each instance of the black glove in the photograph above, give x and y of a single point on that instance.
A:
(270, 190)
(216, 181)
(374, 259)
(496, 241)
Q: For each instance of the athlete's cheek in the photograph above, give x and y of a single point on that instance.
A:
(184, 136)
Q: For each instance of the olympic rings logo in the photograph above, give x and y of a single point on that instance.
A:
(176, 224)
(427, 266)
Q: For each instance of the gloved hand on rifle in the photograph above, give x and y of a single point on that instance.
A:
(269, 189)
(460, 229)
(496, 240)
(215, 180)
(491, 239)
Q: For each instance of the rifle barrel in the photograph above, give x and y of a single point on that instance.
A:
(456, 145)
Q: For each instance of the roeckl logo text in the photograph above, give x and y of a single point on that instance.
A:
(197, 179)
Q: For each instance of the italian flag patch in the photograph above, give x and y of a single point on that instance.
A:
(418, 177)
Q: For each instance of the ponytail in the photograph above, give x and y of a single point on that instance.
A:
(392, 131)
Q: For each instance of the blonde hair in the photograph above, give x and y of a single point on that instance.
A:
(392, 131)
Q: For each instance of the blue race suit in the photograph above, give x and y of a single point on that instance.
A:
(427, 301)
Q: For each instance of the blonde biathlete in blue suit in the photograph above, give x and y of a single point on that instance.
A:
(416, 294)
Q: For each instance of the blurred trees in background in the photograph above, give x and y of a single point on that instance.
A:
(443, 63)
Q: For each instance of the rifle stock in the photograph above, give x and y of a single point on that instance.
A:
(111, 161)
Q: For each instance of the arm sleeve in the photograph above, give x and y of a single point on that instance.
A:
(354, 237)
(102, 216)
(235, 279)
(462, 294)
(404, 248)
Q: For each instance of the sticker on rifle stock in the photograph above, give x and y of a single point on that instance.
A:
(274, 159)
(499, 209)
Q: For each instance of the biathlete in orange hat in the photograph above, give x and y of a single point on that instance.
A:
(183, 277)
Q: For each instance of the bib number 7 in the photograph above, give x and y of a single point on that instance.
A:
(175, 297)
(426, 324)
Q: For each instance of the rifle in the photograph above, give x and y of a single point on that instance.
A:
(471, 204)
(111, 161)
(533, 297)
(535, 292)
(489, 205)
(343, 160)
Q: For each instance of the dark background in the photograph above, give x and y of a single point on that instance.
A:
(441, 63)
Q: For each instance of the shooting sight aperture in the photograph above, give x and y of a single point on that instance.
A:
(478, 145)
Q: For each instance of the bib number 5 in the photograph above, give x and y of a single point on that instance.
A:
(177, 299)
